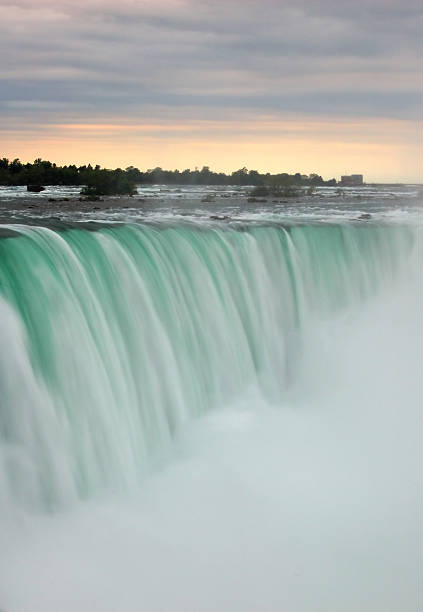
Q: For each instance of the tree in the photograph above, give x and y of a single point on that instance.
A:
(108, 182)
(15, 167)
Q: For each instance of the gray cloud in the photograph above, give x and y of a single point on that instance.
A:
(65, 59)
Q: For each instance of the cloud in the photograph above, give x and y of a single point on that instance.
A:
(81, 61)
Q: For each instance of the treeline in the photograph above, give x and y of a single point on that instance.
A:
(42, 172)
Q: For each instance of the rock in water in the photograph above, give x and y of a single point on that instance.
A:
(35, 188)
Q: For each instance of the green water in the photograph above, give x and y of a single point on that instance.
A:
(114, 338)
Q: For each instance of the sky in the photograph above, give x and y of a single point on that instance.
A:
(326, 86)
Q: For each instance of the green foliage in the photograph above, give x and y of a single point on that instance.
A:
(99, 181)
(278, 186)
(285, 191)
(108, 182)
(260, 191)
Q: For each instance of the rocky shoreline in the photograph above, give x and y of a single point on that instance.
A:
(46, 206)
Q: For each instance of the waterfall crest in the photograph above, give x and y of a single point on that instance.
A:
(116, 337)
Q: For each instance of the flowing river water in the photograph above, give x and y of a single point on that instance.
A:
(213, 408)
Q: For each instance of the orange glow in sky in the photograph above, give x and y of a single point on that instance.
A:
(384, 151)
(327, 87)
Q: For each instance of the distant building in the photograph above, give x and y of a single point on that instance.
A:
(352, 180)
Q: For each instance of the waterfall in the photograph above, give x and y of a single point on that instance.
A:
(115, 338)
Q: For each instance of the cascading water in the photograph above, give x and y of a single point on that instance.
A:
(123, 334)
(117, 340)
